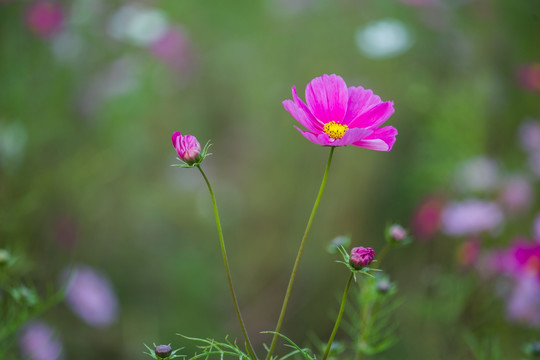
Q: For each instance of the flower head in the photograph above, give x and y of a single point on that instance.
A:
(361, 257)
(90, 296)
(338, 116)
(45, 18)
(188, 149)
(39, 342)
(470, 216)
(163, 351)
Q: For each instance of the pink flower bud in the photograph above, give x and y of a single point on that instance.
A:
(187, 147)
(397, 233)
(361, 257)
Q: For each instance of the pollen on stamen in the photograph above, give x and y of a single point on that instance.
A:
(335, 130)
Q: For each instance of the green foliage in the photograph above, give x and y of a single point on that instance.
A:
(19, 301)
(370, 321)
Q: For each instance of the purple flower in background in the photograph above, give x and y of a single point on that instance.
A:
(37, 341)
(470, 217)
(361, 257)
(523, 306)
(536, 227)
(529, 135)
(516, 194)
(338, 116)
(90, 296)
(45, 18)
(534, 163)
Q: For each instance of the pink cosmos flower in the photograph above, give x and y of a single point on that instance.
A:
(338, 116)
(361, 257)
(45, 18)
(529, 76)
(187, 147)
(174, 49)
(427, 217)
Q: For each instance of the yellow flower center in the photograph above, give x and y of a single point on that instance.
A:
(335, 130)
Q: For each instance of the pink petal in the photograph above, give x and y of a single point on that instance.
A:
(302, 115)
(360, 100)
(320, 139)
(381, 139)
(175, 135)
(316, 123)
(351, 136)
(327, 97)
(375, 116)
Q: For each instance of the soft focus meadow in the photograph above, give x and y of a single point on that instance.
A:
(105, 247)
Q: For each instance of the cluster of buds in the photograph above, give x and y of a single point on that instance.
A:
(189, 150)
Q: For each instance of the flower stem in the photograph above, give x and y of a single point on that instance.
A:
(227, 269)
(298, 256)
(340, 315)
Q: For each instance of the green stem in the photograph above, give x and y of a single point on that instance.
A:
(298, 256)
(381, 256)
(340, 315)
(227, 269)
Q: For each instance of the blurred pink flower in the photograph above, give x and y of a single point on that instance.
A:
(187, 147)
(529, 135)
(427, 217)
(37, 341)
(45, 18)
(361, 257)
(529, 76)
(174, 49)
(468, 252)
(90, 295)
(338, 116)
(516, 194)
(471, 216)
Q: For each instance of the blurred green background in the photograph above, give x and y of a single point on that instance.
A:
(86, 115)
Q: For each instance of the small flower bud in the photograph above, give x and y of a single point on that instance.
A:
(397, 232)
(533, 349)
(361, 257)
(187, 147)
(383, 286)
(163, 351)
(4, 257)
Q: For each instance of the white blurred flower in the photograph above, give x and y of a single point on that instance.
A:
(138, 24)
(477, 174)
(383, 39)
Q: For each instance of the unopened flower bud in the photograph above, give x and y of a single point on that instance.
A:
(397, 232)
(4, 257)
(383, 286)
(533, 349)
(361, 257)
(187, 147)
(163, 351)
